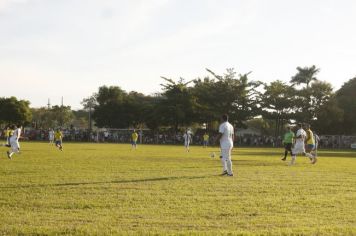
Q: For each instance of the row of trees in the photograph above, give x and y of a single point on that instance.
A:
(183, 103)
(266, 106)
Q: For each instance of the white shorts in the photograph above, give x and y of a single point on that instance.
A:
(226, 153)
(186, 144)
(298, 148)
(15, 146)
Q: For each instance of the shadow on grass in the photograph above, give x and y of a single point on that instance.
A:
(108, 182)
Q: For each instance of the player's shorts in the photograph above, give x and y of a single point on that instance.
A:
(15, 146)
(51, 138)
(288, 147)
(58, 143)
(298, 148)
(310, 147)
(226, 153)
(205, 143)
(133, 142)
(186, 144)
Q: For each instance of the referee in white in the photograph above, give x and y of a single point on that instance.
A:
(226, 138)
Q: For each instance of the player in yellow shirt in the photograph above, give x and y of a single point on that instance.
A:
(310, 144)
(58, 136)
(134, 137)
(205, 140)
(8, 133)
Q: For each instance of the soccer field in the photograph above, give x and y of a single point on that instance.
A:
(104, 189)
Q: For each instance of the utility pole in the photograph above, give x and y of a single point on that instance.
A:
(49, 104)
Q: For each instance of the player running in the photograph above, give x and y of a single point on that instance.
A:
(187, 139)
(226, 138)
(299, 147)
(14, 141)
(288, 142)
(205, 140)
(58, 137)
(134, 137)
(310, 144)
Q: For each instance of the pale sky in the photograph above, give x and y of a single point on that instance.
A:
(55, 48)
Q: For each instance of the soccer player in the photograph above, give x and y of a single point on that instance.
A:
(226, 138)
(14, 141)
(310, 144)
(299, 147)
(187, 139)
(58, 137)
(51, 136)
(288, 142)
(205, 140)
(134, 137)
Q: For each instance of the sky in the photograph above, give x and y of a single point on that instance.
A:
(51, 49)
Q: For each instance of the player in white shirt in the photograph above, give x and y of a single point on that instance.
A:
(14, 141)
(299, 144)
(51, 136)
(226, 138)
(187, 139)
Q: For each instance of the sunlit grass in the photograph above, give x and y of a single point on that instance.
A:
(103, 189)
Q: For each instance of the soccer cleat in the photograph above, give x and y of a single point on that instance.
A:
(8, 155)
(314, 160)
(230, 175)
(224, 173)
(284, 158)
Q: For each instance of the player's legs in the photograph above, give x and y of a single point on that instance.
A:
(186, 144)
(287, 148)
(59, 145)
(227, 164)
(308, 151)
(15, 147)
(224, 164)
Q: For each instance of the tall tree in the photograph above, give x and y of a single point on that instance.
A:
(109, 111)
(229, 93)
(329, 118)
(278, 103)
(305, 75)
(15, 111)
(62, 115)
(346, 98)
(178, 104)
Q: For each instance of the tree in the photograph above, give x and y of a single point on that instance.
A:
(62, 115)
(305, 75)
(346, 100)
(15, 111)
(277, 103)
(109, 111)
(236, 95)
(329, 118)
(178, 105)
(89, 103)
(43, 118)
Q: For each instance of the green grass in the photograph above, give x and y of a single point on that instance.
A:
(107, 189)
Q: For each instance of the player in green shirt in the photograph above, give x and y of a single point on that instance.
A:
(288, 142)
